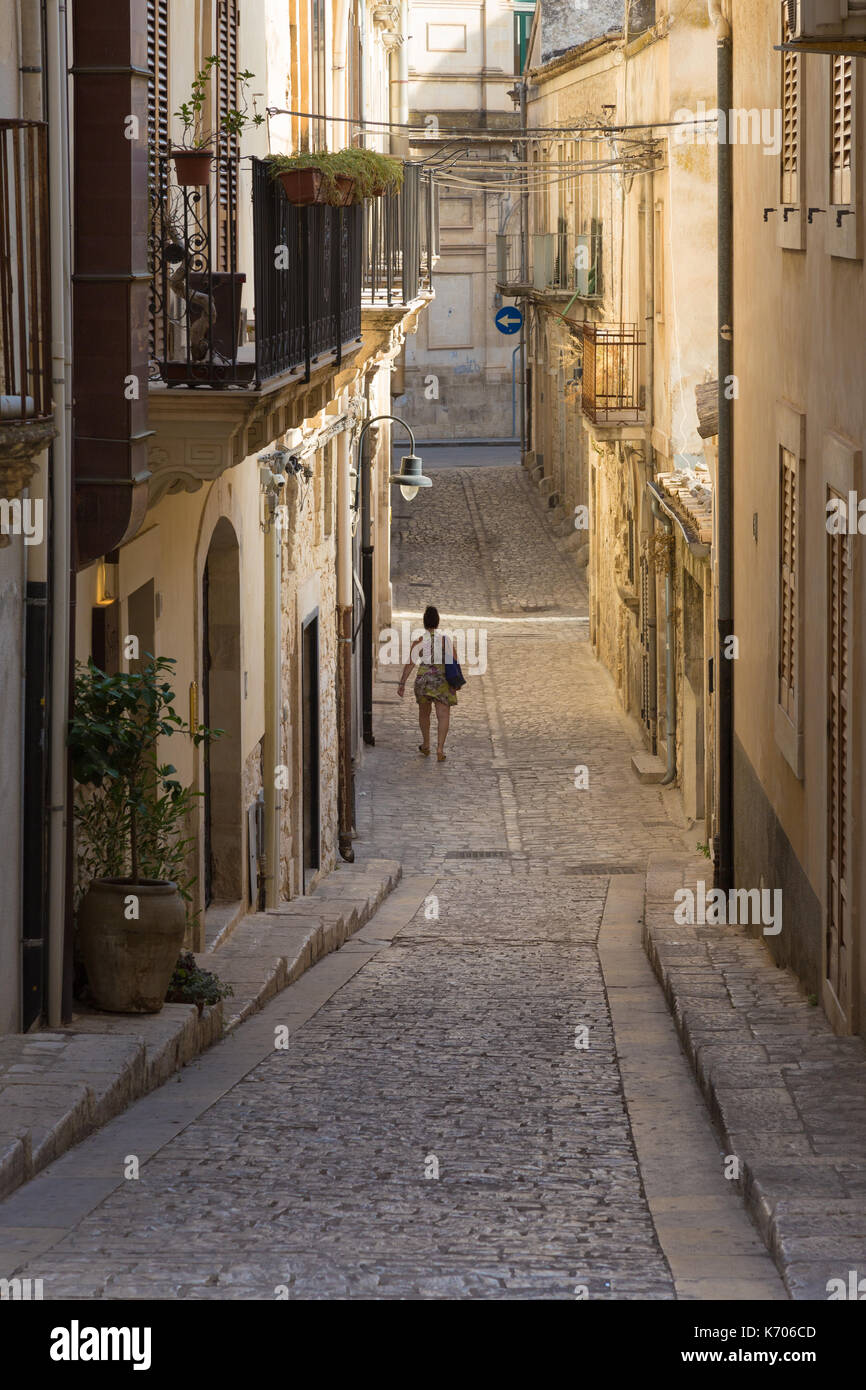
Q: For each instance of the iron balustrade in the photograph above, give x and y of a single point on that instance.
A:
(306, 265)
(612, 392)
(564, 262)
(399, 241)
(25, 289)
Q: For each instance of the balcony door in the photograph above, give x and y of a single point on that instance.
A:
(223, 818)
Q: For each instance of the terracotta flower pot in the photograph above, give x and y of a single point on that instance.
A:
(302, 186)
(130, 962)
(192, 166)
(345, 188)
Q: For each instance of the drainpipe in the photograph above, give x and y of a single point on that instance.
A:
(524, 269)
(273, 681)
(650, 314)
(724, 668)
(649, 276)
(62, 610)
(345, 610)
(367, 586)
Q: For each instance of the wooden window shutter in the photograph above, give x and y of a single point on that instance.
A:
(228, 19)
(157, 89)
(789, 544)
(843, 98)
(790, 119)
(838, 954)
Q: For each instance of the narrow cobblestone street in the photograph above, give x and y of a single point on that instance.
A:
(436, 1127)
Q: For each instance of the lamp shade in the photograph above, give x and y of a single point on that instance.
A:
(410, 477)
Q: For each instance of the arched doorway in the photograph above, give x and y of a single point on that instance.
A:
(221, 709)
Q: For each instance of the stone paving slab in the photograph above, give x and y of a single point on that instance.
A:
(787, 1096)
(56, 1088)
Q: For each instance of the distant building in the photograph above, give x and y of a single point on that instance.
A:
(460, 381)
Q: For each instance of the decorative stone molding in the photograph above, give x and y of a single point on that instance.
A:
(21, 441)
(388, 17)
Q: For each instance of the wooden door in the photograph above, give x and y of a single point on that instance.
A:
(838, 952)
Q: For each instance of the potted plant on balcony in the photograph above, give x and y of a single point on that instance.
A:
(193, 157)
(375, 175)
(313, 176)
(131, 817)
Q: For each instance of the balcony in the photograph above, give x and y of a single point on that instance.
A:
(313, 269)
(612, 391)
(399, 234)
(306, 283)
(26, 423)
(559, 265)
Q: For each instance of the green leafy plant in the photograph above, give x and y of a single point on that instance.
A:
(704, 848)
(191, 985)
(131, 811)
(373, 172)
(234, 121)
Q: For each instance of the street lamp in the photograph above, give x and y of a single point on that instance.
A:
(410, 477)
(409, 480)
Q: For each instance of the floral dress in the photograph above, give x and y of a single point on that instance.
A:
(430, 682)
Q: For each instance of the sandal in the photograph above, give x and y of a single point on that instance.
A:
(440, 757)
(425, 751)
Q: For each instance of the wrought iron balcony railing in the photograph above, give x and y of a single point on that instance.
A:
(562, 262)
(306, 265)
(399, 241)
(612, 392)
(25, 290)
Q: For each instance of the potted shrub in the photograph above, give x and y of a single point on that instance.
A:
(375, 174)
(193, 157)
(314, 176)
(131, 817)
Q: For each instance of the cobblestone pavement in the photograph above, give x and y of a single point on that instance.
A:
(456, 1048)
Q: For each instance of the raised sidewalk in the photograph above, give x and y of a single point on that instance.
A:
(57, 1087)
(787, 1096)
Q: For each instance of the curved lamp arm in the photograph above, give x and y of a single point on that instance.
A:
(364, 428)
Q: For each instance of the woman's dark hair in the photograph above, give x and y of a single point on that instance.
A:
(431, 617)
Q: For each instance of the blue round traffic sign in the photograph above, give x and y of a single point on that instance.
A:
(509, 319)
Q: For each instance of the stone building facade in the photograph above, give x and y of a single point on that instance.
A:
(619, 290)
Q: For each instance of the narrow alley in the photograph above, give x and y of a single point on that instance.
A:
(480, 1103)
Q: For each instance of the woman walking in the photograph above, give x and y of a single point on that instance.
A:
(431, 653)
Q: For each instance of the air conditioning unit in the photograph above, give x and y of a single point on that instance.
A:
(826, 20)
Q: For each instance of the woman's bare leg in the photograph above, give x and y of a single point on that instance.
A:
(424, 721)
(443, 719)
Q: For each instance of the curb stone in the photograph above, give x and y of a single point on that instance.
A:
(786, 1094)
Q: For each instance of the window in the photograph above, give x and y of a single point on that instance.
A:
(522, 28)
(791, 63)
(841, 127)
(789, 603)
(319, 11)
